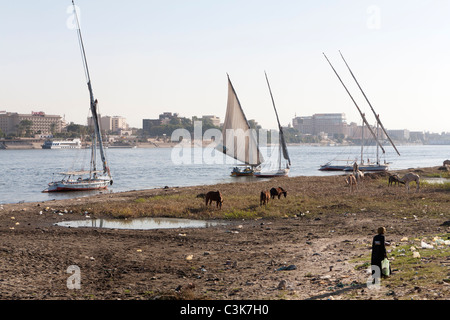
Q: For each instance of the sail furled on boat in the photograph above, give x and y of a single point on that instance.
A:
(93, 101)
(281, 134)
(375, 114)
(357, 107)
(284, 147)
(238, 139)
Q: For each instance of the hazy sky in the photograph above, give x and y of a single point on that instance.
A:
(147, 57)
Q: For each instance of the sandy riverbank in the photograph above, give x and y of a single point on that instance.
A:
(320, 232)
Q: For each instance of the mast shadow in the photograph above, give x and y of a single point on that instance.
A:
(338, 292)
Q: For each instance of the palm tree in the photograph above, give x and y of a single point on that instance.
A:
(24, 125)
(53, 128)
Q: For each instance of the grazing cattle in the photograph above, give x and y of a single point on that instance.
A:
(394, 179)
(264, 198)
(214, 196)
(410, 177)
(277, 192)
(446, 163)
(351, 181)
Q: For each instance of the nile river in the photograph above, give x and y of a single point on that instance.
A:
(25, 173)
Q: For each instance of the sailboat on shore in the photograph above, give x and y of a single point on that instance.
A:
(92, 179)
(238, 139)
(363, 166)
(282, 148)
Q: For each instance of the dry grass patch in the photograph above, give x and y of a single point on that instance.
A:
(305, 195)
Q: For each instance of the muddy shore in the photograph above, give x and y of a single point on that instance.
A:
(318, 250)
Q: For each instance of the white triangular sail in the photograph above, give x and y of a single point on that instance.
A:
(238, 140)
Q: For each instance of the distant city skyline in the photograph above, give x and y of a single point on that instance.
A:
(148, 57)
(109, 122)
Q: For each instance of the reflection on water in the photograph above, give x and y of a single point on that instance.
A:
(140, 223)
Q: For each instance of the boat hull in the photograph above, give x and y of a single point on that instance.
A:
(272, 174)
(84, 185)
(334, 168)
(372, 168)
(242, 172)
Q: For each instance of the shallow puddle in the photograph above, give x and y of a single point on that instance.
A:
(139, 224)
(437, 180)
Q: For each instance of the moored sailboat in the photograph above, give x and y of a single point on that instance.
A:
(363, 166)
(93, 179)
(243, 171)
(282, 149)
(238, 139)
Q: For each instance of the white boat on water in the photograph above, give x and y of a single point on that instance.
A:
(74, 181)
(282, 151)
(62, 144)
(91, 179)
(348, 166)
(272, 173)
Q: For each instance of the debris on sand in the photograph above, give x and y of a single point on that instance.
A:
(287, 268)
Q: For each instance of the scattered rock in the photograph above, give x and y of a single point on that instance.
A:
(282, 285)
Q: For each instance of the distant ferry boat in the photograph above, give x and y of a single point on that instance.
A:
(62, 144)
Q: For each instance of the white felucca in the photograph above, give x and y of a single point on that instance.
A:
(92, 179)
(282, 149)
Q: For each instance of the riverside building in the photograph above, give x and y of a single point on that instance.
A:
(37, 122)
(332, 124)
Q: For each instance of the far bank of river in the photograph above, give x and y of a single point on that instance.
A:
(30, 144)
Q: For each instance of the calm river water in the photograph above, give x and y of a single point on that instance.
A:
(25, 173)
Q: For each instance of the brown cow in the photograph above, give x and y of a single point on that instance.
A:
(264, 198)
(394, 179)
(214, 196)
(274, 192)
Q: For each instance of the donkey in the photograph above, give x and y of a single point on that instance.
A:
(410, 177)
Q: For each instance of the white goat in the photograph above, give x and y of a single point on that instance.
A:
(359, 175)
